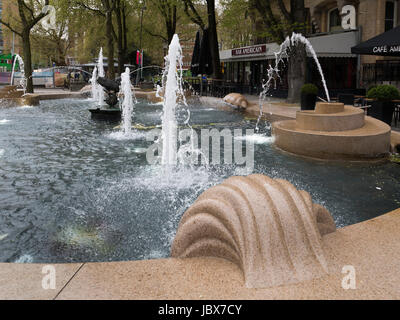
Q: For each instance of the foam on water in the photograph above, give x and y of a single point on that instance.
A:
(25, 107)
(133, 135)
(26, 258)
(1, 152)
(257, 139)
(4, 121)
(180, 178)
(136, 150)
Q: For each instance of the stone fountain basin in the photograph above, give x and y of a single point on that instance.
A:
(371, 141)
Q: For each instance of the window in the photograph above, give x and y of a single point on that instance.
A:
(334, 20)
(390, 14)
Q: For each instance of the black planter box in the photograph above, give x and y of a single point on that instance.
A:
(382, 110)
(308, 101)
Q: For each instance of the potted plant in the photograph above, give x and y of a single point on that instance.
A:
(382, 106)
(308, 96)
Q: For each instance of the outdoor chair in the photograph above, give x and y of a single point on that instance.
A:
(396, 115)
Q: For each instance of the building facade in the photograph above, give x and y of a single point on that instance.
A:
(9, 42)
(332, 43)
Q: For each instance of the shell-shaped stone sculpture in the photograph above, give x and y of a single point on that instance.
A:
(236, 99)
(271, 230)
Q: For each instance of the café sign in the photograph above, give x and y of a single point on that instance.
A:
(249, 51)
(386, 49)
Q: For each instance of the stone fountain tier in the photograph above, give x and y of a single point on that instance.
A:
(333, 131)
(10, 96)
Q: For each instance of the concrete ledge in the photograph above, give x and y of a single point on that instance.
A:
(148, 95)
(372, 247)
(56, 96)
(27, 100)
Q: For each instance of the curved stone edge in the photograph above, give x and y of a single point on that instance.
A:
(267, 227)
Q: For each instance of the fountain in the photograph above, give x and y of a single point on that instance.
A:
(100, 84)
(11, 96)
(127, 103)
(100, 73)
(172, 82)
(95, 87)
(332, 130)
(21, 67)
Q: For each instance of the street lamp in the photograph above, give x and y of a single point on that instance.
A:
(138, 77)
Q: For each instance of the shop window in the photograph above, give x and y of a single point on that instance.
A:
(390, 14)
(334, 20)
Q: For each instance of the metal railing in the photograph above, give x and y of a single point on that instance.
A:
(381, 71)
(218, 88)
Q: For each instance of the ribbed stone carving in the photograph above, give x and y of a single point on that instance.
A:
(271, 230)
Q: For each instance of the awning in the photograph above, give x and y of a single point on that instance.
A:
(328, 45)
(385, 44)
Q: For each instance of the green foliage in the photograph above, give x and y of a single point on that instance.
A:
(384, 92)
(395, 158)
(309, 88)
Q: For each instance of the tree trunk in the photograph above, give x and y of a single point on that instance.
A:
(297, 66)
(213, 38)
(26, 46)
(124, 31)
(110, 46)
(120, 40)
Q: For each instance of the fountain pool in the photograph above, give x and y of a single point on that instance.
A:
(71, 191)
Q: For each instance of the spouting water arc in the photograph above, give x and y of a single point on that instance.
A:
(21, 67)
(273, 71)
(100, 73)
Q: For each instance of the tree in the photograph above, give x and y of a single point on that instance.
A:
(121, 11)
(236, 28)
(281, 22)
(168, 10)
(104, 8)
(51, 45)
(30, 13)
(192, 12)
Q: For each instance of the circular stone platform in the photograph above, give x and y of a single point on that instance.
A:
(333, 135)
